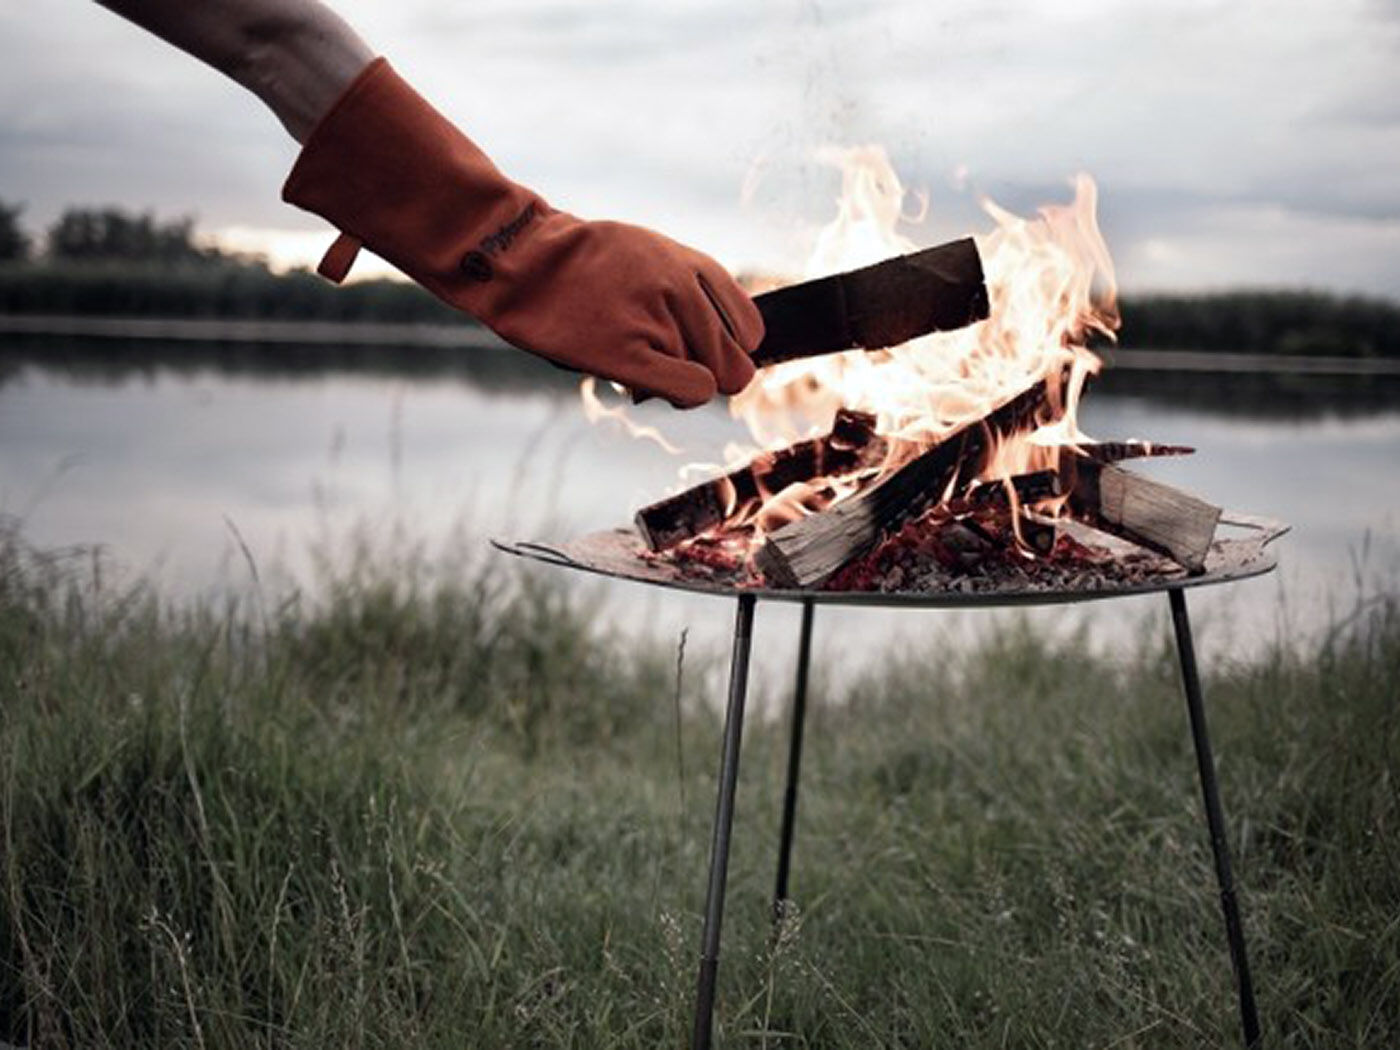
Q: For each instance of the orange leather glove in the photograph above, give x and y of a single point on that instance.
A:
(617, 301)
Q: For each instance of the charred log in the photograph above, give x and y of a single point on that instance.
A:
(1116, 451)
(851, 444)
(1036, 533)
(1028, 488)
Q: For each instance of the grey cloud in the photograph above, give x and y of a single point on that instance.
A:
(1189, 113)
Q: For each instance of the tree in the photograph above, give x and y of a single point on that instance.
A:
(90, 234)
(14, 242)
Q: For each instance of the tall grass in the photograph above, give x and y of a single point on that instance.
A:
(445, 809)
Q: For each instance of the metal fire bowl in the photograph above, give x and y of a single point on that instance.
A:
(618, 554)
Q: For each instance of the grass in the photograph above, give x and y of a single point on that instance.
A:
(443, 807)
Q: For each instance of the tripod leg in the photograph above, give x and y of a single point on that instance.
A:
(794, 765)
(724, 820)
(1215, 817)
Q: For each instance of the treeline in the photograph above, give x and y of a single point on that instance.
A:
(109, 262)
(112, 263)
(223, 289)
(108, 234)
(1273, 322)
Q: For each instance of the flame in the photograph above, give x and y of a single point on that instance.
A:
(1051, 288)
(595, 412)
(796, 501)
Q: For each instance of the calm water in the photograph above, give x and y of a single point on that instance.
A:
(165, 468)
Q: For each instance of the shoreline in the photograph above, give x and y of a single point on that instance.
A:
(255, 330)
(473, 337)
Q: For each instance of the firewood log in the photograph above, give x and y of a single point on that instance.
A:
(1139, 509)
(851, 443)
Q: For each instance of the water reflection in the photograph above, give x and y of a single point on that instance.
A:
(160, 459)
(490, 367)
(1263, 395)
(494, 368)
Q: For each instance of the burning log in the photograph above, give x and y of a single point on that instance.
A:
(1037, 533)
(1116, 451)
(807, 552)
(1143, 511)
(851, 443)
(1029, 488)
(1001, 532)
(989, 511)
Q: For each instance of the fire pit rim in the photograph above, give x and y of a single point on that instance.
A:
(603, 554)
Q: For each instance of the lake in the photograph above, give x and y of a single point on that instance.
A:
(173, 463)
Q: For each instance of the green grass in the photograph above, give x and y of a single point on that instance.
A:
(443, 807)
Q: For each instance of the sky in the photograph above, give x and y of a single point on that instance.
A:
(1236, 144)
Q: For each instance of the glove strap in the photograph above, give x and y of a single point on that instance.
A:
(339, 257)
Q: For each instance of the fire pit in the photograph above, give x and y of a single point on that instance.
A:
(617, 554)
(950, 473)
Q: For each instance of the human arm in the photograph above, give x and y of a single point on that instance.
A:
(298, 56)
(394, 175)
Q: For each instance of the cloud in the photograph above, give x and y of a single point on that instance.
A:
(1268, 121)
(1273, 246)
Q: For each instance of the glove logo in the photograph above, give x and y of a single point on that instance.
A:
(477, 267)
(476, 264)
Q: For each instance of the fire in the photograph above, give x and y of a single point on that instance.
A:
(1051, 287)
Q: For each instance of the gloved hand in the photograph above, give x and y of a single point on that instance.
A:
(613, 300)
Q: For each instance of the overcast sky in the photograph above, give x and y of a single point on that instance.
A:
(1235, 143)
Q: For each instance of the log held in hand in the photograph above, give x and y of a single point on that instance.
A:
(850, 444)
(807, 552)
(937, 289)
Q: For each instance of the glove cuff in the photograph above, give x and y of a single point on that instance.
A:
(392, 173)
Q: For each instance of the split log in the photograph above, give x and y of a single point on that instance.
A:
(807, 552)
(1116, 451)
(851, 444)
(1143, 511)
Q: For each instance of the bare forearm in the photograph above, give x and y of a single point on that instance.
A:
(295, 55)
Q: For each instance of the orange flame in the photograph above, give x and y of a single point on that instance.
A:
(1050, 283)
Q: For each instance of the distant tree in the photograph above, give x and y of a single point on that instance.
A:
(91, 234)
(14, 242)
(1282, 322)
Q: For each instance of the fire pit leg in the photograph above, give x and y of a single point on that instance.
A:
(794, 765)
(724, 820)
(1215, 817)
